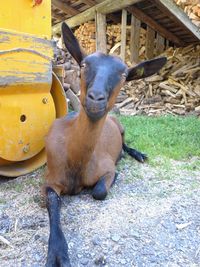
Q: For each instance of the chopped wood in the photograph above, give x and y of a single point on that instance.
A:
(191, 8)
(174, 90)
(3, 240)
(86, 34)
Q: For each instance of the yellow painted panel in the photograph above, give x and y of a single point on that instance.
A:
(24, 121)
(18, 167)
(23, 16)
(24, 59)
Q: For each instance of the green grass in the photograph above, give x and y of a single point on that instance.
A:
(168, 136)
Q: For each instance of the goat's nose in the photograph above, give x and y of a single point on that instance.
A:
(96, 96)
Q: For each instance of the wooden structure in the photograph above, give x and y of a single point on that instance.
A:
(157, 16)
(142, 29)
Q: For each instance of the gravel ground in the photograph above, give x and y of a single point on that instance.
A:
(150, 218)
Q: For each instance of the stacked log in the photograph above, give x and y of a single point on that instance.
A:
(175, 90)
(191, 8)
(86, 35)
(68, 72)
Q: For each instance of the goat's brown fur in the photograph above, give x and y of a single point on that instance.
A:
(82, 149)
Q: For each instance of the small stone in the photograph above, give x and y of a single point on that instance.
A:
(37, 257)
(44, 239)
(100, 261)
(5, 224)
(96, 240)
(115, 238)
(70, 245)
(135, 234)
(153, 258)
(36, 237)
(123, 261)
(84, 261)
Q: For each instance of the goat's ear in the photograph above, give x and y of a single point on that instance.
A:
(72, 44)
(146, 68)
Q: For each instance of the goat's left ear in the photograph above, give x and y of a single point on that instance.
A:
(72, 44)
(146, 68)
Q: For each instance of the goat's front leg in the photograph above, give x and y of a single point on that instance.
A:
(57, 248)
(102, 187)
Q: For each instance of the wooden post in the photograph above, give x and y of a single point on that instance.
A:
(101, 44)
(150, 38)
(160, 44)
(135, 39)
(123, 34)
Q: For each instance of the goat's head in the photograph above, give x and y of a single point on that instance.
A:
(102, 75)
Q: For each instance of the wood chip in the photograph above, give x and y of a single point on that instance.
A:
(182, 226)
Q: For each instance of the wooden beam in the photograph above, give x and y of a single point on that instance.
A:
(135, 39)
(64, 7)
(149, 46)
(179, 15)
(155, 26)
(56, 16)
(101, 43)
(106, 7)
(114, 18)
(160, 44)
(123, 34)
(89, 2)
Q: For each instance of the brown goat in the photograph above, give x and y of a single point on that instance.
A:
(82, 149)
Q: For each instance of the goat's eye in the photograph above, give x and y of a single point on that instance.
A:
(83, 65)
(124, 75)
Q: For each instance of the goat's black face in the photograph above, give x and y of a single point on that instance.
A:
(102, 75)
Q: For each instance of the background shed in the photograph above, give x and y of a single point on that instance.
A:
(137, 30)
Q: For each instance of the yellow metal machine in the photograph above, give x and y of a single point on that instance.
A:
(31, 96)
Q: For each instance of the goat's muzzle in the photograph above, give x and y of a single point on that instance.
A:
(95, 105)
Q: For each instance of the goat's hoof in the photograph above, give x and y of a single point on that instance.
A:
(99, 195)
(57, 251)
(141, 157)
(99, 192)
(58, 260)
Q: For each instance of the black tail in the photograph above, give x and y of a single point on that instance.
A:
(134, 153)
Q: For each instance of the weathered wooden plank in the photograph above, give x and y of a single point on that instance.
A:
(155, 26)
(106, 7)
(150, 37)
(160, 44)
(135, 39)
(123, 34)
(57, 16)
(179, 15)
(100, 21)
(64, 7)
(89, 2)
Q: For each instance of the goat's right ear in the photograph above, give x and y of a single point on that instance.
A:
(72, 44)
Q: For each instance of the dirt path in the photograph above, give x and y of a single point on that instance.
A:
(150, 218)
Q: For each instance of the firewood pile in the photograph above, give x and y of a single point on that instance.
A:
(68, 72)
(86, 35)
(175, 90)
(191, 8)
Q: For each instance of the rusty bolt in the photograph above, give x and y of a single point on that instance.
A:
(45, 100)
(26, 148)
